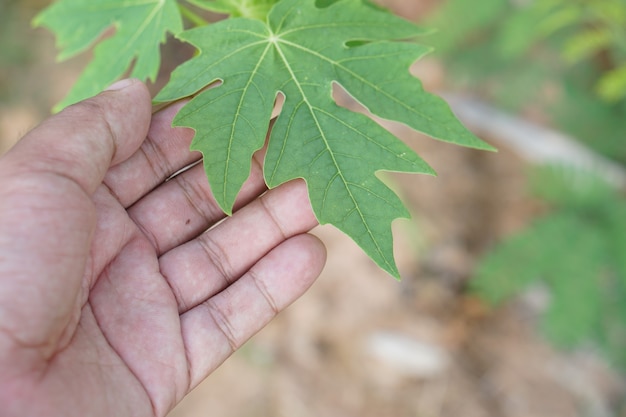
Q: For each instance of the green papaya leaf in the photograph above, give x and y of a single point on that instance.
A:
(300, 52)
(140, 26)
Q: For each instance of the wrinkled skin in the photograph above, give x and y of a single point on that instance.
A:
(115, 300)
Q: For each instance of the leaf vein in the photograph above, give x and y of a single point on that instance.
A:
(335, 162)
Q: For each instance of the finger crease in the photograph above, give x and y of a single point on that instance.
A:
(157, 162)
(178, 295)
(111, 132)
(223, 324)
(193, 194)
(217, 257)
(122, 357)
(110, 190)
(273, 218)
(264, 291)
(188, 360)
(148, 235)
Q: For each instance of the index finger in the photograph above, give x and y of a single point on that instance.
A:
(164, 152)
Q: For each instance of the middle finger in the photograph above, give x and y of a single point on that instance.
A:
(184, 207)
(206, 265)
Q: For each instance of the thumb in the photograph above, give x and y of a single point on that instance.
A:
(47, 217)
(84, 140)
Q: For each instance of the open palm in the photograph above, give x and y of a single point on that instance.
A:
(115, 299)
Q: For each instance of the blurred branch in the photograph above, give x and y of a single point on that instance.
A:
(536, 144)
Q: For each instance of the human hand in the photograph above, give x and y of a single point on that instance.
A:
(114, 301)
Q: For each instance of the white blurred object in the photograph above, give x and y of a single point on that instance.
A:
(407, 356)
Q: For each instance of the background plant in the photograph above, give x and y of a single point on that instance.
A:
(561, 60)
(575, 251)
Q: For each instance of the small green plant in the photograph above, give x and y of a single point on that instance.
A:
(295, 48)
(576, 252)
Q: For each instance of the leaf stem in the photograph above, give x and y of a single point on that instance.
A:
(192, 16)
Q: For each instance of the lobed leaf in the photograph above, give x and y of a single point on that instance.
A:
(140, 26)
(300, 51)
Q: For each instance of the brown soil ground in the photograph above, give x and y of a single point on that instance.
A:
(360, 343)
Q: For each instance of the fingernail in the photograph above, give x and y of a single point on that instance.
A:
(120, 85)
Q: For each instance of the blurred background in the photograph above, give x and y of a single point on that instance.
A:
(512, 301)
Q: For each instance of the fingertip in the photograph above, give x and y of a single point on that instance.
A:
(130, 88)
(136, 90)
(300, 261)
(122, 84)
(316, 251)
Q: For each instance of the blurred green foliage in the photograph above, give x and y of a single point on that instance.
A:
(565, 59)
(14, 51)
(577, 252)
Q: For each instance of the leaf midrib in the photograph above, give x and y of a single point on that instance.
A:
(328, 147)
